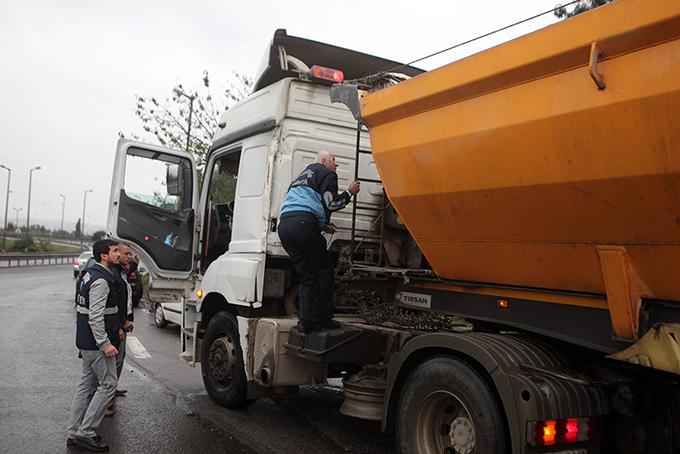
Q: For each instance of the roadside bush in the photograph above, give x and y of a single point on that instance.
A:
(30, 246)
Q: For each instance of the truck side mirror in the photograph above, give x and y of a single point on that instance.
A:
(173, 179)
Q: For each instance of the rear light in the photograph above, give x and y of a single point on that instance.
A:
(559, 431)
(329, 74)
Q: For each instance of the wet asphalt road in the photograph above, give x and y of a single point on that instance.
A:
(167, 409)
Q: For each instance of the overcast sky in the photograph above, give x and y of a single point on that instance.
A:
(69, 70)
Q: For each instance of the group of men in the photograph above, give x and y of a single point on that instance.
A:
(104, 317)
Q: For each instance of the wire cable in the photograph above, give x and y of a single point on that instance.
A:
(484, 35)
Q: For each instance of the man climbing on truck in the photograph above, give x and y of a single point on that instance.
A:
(311, 199)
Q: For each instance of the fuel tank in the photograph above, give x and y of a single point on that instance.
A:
(527, 163)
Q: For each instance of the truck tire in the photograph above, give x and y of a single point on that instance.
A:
(445, 407)
(224, 375)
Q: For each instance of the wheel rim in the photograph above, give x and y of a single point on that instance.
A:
(222, 359)
(159, 315)
(444, 425)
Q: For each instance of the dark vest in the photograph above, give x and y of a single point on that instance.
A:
(84, 337)
(121, 286)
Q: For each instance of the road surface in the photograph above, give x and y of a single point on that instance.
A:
(166, 409)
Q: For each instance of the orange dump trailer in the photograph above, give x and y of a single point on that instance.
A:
(549, 165)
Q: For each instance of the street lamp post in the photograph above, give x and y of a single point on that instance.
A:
(82, 222)
(180, 92)
(4, 229)
(63, 205)
(28, 212)
(16, 222)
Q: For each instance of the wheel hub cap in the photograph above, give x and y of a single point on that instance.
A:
(222, 358)
(444, 425)
(462, 435)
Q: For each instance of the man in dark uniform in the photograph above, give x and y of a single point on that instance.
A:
(125, 313)
(312, 198)
(97, 338)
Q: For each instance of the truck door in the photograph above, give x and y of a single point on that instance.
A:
(154, 195)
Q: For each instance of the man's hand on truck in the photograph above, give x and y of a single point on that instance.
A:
(354, 187)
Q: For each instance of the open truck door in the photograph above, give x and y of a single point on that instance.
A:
(154, 196)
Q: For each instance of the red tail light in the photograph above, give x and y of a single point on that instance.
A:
(329, 74)
(571, 430)
(559, 431)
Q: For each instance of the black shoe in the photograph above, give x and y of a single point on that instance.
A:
(329, 324)
(306, 327)
(91, 444)
(120, 392)
(71, 442)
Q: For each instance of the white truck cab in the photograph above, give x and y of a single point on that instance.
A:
(214, 246)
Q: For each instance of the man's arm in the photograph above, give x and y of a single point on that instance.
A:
(130, 316)
(129, 313)
(99, 292)
(331, 199)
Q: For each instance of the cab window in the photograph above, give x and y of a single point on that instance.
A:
(220, 207)
(146, 180)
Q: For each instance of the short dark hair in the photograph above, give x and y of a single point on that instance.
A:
(102, 247)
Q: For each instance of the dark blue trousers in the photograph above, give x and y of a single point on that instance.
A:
(302, 240)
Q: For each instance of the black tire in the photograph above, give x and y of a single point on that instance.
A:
(224, 374)
(446, 407)
(159, 316)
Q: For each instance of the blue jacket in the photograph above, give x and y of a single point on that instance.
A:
(315, 191)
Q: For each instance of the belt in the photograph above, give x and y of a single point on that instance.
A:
(298, 214)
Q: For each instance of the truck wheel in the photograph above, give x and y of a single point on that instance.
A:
(446, 408)
(224, 375)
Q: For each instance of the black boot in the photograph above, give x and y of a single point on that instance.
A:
(307, 327)
(329, 324)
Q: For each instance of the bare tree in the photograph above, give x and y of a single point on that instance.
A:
(188, 119)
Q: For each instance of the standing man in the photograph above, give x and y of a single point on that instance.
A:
(312, 198)
(135, 282)
(125, 312)
(97, 338)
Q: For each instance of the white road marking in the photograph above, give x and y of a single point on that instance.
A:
(137, 348)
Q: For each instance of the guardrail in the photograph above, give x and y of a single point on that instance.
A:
(36, 259)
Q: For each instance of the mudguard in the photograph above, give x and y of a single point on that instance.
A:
(532, 380)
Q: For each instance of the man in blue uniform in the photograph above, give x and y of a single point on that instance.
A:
(312, 198)
(97, 338)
